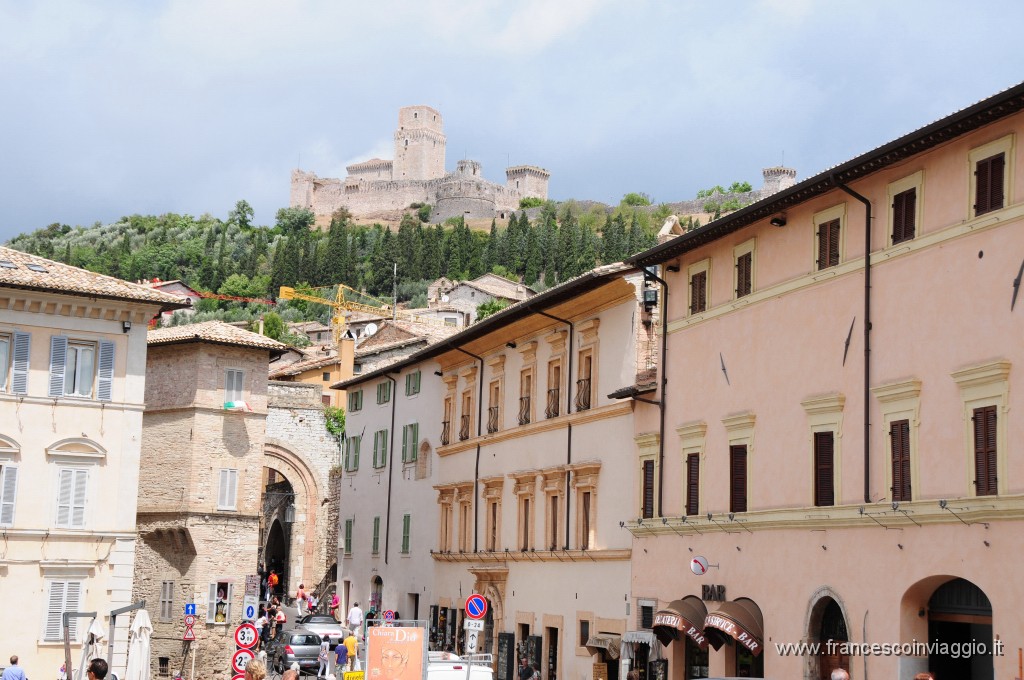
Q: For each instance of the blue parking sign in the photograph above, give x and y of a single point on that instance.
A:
(190, 609)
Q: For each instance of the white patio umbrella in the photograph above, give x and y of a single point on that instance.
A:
(91, 647)
(138, 648)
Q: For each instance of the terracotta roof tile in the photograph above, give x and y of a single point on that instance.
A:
(302, 366)
(22, 270)
(216, 332)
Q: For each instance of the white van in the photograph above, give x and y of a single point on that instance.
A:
(449, 666)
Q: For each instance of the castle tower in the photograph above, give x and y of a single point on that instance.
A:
(529, 180)
(776, 179)
(469, 168)
(419, 144)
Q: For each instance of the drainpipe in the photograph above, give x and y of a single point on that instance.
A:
(867, 335)
(479, 431)
(391, 457)
(568, 410)
(664, 383)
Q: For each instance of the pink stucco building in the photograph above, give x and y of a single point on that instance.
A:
(838, 438)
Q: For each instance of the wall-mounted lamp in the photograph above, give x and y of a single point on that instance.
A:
(778, 220)
(895, 505)
(438, 373)
(510, 345)
(672, 268)
(126, 326)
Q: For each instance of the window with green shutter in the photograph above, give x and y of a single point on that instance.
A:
(355, 400)
(376, 535)
(380, 448)
(384, 392)
(410, 442)
(412, 384)
(348, 537)
(406, 522)
(352, 445)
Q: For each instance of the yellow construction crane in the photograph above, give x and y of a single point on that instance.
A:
(345, 299)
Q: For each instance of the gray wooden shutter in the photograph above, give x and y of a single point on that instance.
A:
(211, 604)
(19, 378)
(8, 492)
(58, 359)
(64, 496)
(78, 500)
(106, 371)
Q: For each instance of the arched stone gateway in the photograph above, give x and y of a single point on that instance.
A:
(826, 622)
(303, 562)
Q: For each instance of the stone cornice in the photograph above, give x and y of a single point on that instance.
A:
(971, 510)
(503, 557)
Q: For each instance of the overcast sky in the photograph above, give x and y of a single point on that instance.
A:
(114, 108)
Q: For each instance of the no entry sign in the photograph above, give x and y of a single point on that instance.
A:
(476, 607)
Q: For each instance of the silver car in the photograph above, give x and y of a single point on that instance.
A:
(295, 646)
(325, 626)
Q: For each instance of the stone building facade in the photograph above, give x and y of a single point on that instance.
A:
(200, 481)
(383, 189)
(299, 453)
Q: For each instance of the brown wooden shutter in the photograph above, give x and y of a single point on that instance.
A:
(899, 432)
(904, 208)
(828, 244)
(985, 480)
(743, 274)
(988, 188)
(692, 484)
(647, 510)
(738, 478)
(824, 469)
(698, 292)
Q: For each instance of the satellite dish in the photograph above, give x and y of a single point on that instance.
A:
(445, 298)
(370, 329)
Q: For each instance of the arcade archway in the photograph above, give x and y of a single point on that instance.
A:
(291, 501)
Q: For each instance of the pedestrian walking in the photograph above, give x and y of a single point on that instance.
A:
(351, 645)
(355, 617)
(14, 671)
(263, 626)
(300, 600)
(255, 670)
(340, 660)
(333, 606)
(322, 657)
(97, 669)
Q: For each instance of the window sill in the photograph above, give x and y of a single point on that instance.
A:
(220, 509)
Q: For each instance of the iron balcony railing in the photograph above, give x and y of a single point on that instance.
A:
(553, 399)
(492, 419)
(446, 432)
(583, 394)
(524, 410)
(464, 428)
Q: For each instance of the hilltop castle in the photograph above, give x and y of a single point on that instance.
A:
(383, 189)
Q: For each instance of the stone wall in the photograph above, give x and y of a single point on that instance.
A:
(224, 551)
(296, 424)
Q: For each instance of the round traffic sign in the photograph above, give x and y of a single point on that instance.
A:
(240, 676)
(699, 565)
(476, 607)
(389, 615)
(190, 620)
(246, 636)
(250, 612)
(240, 659)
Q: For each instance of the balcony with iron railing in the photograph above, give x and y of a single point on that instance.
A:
(583, 394)
(553, 403)
(446, 432)
(492, 419)
(464, 428)
(524, 410)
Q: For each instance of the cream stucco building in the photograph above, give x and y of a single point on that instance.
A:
(72, 374)
(493, 462)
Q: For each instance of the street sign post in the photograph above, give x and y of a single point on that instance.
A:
(252, 585)
(473, 624)
(476, 607)
(246, 636)
(249, 604)
(389, 617)
(471, 637)
(240, 659)
(190, 609)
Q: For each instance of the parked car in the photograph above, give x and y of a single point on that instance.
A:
(296, 645)
(325, 626)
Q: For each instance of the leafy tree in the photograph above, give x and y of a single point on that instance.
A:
(636, 199)
(424, 212)
(242, 214)
(530, 202)
(485, 309)
(294, 220)
(740, 187)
